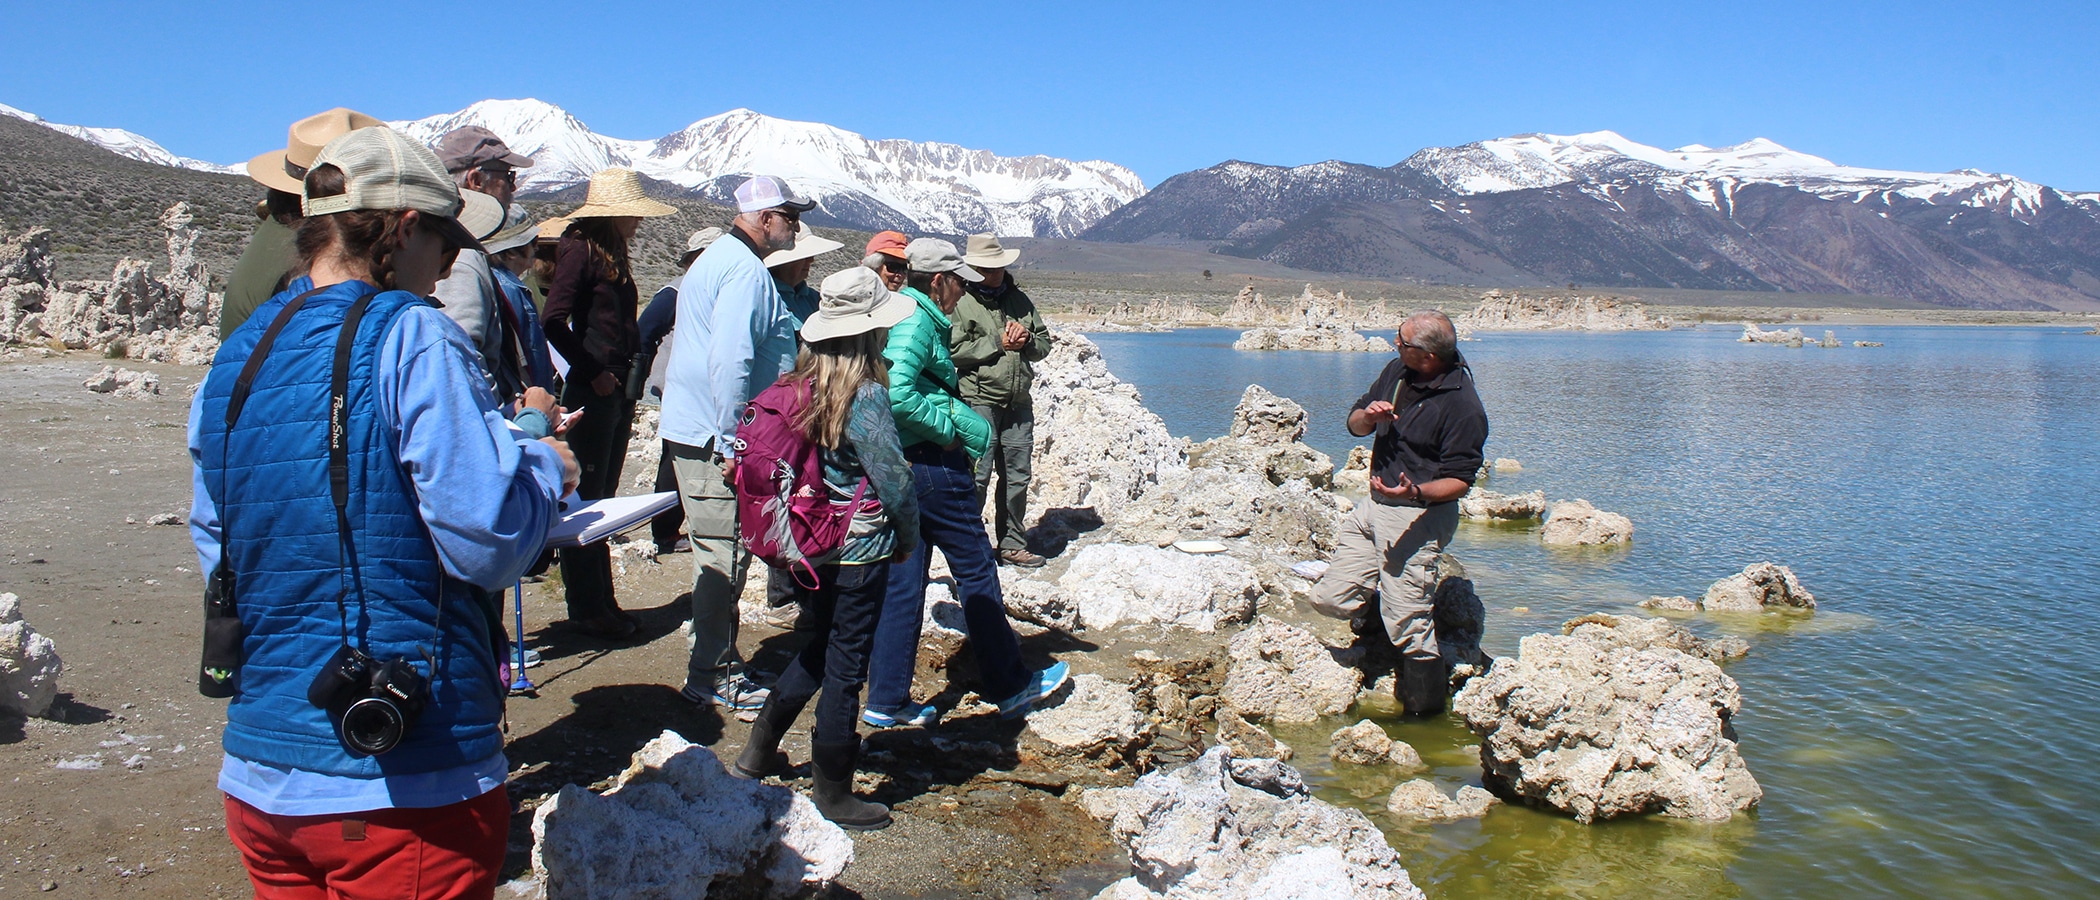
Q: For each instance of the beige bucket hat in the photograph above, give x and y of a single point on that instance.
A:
(511, 238)
(982, 251)
(808, 245)
(285, 169)
(855, 301)
(618, 192)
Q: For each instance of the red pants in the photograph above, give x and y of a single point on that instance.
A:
(385, 854)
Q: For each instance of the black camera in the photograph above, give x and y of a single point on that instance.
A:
(373, 703)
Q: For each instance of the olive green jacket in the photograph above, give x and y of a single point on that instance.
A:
(991, 375)
(263, 270)
(922, 383)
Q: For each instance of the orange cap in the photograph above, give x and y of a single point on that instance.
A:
(888, 243)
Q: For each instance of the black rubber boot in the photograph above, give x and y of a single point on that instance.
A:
(1422, 686)
(761, 756)
(833, 790)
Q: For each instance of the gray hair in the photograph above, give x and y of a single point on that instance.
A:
(874, 261)
(1434, 334)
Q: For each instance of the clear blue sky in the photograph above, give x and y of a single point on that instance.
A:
(2007, 87)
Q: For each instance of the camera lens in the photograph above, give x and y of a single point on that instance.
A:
(373, 725)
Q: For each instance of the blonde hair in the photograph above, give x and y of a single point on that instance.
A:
(836, 369)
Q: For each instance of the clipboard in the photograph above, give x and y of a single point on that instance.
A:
(590, 521)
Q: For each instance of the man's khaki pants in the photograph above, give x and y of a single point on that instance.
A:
(719, 562)
(1388, 554)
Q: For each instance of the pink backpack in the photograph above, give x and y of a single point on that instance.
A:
(784, 512)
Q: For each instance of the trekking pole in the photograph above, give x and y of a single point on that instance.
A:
(521, 684)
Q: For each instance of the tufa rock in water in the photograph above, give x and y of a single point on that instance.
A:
(1642, 632)
(1480, 503)
(1096, 445)
(1830, 340)
(1119, 583)
(1266, 440)
(29, 663)
(1577, 523)
(1878, 343)
(1678, 603)
(676, 825)
(1758, 587)
(1366, 744)
(1791, 337)
(1605, 731)
(1327, 337)
(1248, 740)
(1283, 674)
(1220, 505)
(1506, 466)
(1419, 799)
(1222, 828)
(1515, 312)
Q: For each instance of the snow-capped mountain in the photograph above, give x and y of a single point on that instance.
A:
(1600, 209)
(121, 142)
(1707, 174)
(919, 187)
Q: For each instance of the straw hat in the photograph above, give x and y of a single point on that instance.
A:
(618, 192)
(808, 245)
(855, 301)
(982, 251)
(285, 169)
(551, 229)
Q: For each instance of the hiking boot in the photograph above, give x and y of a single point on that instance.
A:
(832, 789)
(1041, 684)
(740, 694)
(1022, 558)
(762, 756)
(912, 714)
(1422, 686)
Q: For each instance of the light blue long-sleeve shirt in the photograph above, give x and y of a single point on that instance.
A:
(733, 338)
(488, 494)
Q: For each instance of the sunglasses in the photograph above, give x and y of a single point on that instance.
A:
(507, 176)
(792, 218)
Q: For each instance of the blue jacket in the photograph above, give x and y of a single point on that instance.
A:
(277, 532)
(734, 337)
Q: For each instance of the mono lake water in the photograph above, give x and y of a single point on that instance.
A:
(1932, 731)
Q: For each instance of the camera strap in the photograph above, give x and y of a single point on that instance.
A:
(235, 401)
(339, 479)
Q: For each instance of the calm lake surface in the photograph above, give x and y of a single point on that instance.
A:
(1933, 731)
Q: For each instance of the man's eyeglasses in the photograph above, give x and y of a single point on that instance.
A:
(1407, 345)
(793, 219)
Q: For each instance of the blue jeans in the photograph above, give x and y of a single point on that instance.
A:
(949, 518)
(838, 623)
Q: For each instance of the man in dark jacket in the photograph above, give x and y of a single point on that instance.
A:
(1431, 431)
(996, 339)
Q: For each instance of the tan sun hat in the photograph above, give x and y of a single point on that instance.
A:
(383, 169)
(854, 302)
(285, 170)
(618, 192)
(697, 243)
(510, 238)
(808, 245)
(983, 252)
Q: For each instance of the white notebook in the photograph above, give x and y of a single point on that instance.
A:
(590, 521)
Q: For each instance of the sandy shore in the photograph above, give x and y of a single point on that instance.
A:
(117, 797)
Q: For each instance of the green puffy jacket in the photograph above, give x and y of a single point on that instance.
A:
(990, 374)
(922, 383)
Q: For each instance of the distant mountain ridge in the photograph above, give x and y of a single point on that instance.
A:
(1600, 209)
(123, 143)
(857, 182)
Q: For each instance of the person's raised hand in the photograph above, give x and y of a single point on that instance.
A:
(1015, 337)
(571, 473)
(1380, 411)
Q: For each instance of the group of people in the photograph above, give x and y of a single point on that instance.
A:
(413, 374)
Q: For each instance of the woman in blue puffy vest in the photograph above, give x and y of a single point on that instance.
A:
(353, 486)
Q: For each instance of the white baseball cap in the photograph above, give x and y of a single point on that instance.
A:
(762, 192)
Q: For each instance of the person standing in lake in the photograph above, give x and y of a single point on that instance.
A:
(1431, 430)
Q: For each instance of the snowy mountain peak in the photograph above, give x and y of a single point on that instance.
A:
(925, 187)
(122, 143)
